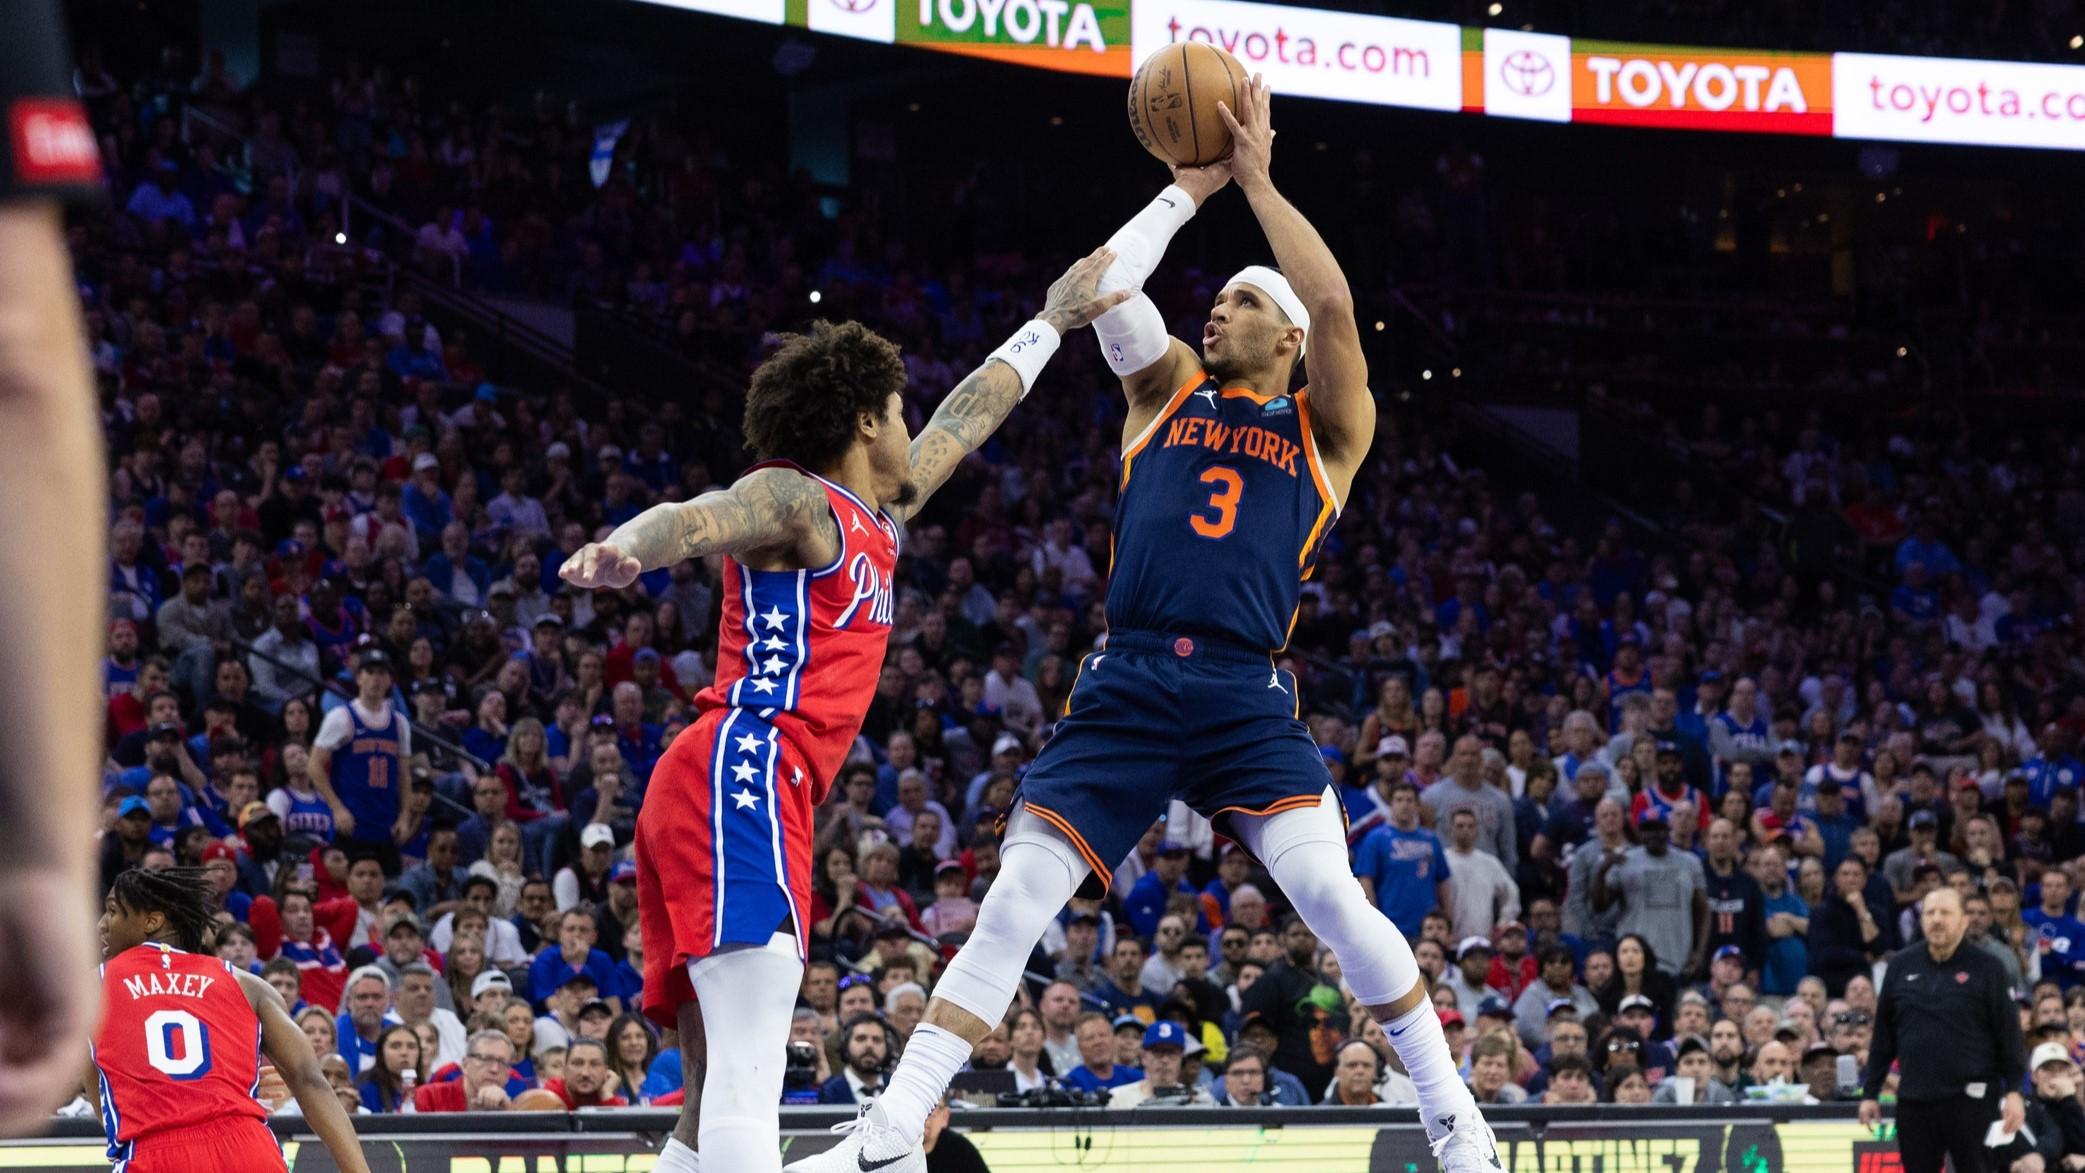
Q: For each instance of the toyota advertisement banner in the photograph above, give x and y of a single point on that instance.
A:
(1313, 53)
(1701, 89)
(1951, 100)
(1425, 65)
(1078, 36)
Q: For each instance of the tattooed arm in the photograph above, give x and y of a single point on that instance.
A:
(981, 402)
(770, 510)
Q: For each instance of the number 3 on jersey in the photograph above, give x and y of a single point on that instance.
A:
(177, 1043)
(1223, 500)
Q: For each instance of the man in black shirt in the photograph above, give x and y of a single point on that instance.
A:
(1949, 1010)
(1306, 1035)
(1737, 908)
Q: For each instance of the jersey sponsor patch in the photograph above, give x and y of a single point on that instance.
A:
(52, 142)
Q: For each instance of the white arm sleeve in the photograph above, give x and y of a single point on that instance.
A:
(1132, 336)
(1140, 244)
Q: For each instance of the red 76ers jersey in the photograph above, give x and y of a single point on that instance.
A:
(179, 1045)
(802, 648)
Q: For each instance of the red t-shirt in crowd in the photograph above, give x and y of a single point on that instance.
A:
(446, 1096)
(573, 1103)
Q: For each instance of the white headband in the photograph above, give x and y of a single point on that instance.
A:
(1277, 287)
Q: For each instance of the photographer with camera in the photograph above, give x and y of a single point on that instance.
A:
(866, 1045)
(801, 1079)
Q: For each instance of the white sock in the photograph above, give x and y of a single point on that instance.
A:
(678, 1158)
(932, 1057)
(1418, 1040)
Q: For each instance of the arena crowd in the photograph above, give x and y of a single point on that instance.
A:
(1651, 800)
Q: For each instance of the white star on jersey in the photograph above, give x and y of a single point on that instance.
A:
(747, 743)
(743, 772)
(763, 685)
(773, 644)
(774, 617)
(773, 664)
(745, 799)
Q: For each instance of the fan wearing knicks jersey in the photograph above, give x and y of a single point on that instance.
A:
(1230, 483)
(177, 1060)
(808, 541)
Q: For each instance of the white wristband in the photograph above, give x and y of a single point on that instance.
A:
(1028, 351)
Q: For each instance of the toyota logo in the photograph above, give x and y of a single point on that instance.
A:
(1527, 73)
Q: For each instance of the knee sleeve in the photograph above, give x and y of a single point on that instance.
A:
(1132, 336)
(1038, 872)
(1306, 853)
(746, 997)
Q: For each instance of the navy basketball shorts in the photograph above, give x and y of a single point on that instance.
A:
(1156, 716)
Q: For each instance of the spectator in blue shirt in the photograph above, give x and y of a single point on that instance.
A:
(1915, 600)
(2062, 936)
(635, 738)
(1834, 825)
(1097, 1070)
(410, 358)
(162, 200)
(2052, 769)
(573, 955)
(1926, 548)
(1402, 865)
(1787, 923)
(1232, 866)
(650, 462)
(424, 501)
(454, 570)
(1146, 900)
(171, 814)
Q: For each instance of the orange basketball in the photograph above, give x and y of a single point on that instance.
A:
(537, 1099)
(1172, 102)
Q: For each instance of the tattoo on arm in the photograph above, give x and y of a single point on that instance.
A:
(970, 414)
(766, 510)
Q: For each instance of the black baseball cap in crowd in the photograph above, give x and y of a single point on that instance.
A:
(373, 660)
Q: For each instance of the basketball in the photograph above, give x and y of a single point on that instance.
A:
(1172, 103)
(537, 1099)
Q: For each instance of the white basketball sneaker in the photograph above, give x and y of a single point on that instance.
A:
(1466, 1145)
(871, 1145)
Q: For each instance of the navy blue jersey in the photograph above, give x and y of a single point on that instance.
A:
(1224, 505)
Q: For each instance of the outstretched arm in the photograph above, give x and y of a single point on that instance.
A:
(1132, 337)
(768, 509)
(975, 409)
(291, 1054)
(1344, 412)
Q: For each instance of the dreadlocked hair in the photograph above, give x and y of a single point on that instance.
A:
(184, 896)
(803, 402)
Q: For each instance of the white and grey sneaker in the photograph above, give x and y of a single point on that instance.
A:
(871, 1145)
(1465, 1144)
